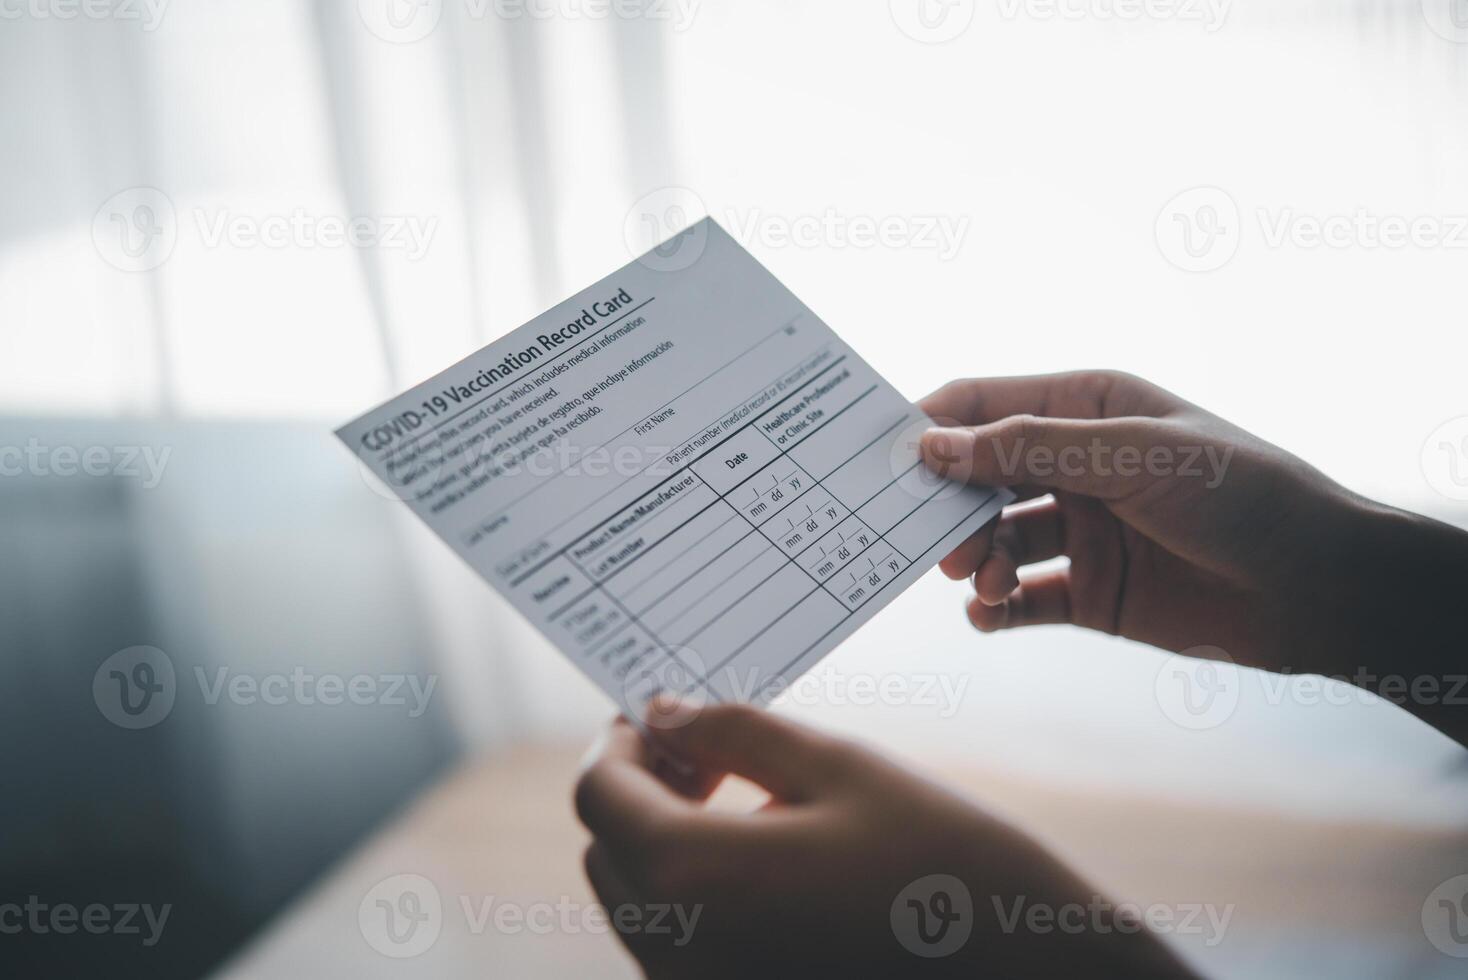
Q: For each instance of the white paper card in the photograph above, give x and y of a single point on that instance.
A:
(681, 476)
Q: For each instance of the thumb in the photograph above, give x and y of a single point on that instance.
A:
(1100, 458)
(787, 759)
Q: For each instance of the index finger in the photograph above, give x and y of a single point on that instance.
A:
(1072, 395)
(621, 801)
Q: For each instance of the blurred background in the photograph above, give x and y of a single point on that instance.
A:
(227, 227)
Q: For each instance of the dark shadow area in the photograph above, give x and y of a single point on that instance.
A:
(259, 566)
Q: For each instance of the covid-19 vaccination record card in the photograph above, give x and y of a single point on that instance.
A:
(681, 476)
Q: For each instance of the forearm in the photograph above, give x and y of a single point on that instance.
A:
(1397, 614)
(1110, 949)
(1063, 925)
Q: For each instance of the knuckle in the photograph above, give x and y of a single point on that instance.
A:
(1097, 386)
(1030, 428)
(958, 396)
(959, 386)
(1111, 378)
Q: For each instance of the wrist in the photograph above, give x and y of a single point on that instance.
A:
(1393, 610)
(1084, 936)
(1053, 922)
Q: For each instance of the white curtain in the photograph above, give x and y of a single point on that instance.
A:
(233, 121)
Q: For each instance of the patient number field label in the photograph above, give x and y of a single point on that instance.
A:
(681, 476)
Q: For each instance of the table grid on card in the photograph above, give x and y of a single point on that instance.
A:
(792, 514)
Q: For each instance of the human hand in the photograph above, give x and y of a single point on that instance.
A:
(807, 884)
(1182, 530)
